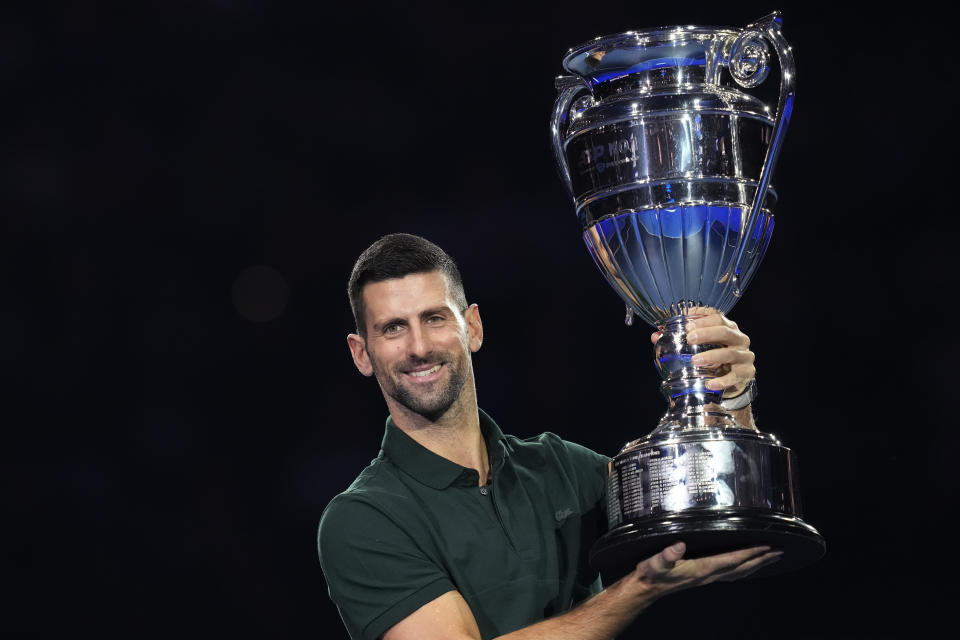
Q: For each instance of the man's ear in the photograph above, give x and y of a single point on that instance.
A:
(474, 327)
(358, 349)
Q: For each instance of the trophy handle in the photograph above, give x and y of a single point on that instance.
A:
(748, 66)
(569, 87)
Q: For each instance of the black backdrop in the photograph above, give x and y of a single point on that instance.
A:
(188, 184)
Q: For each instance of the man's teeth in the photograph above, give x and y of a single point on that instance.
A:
(420, 374)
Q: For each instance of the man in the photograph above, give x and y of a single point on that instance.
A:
(457, 531)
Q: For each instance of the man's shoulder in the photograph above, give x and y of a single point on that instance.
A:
(374, 501)
(368, 545)
(377, 483)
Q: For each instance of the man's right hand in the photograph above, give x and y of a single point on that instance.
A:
(668, 571)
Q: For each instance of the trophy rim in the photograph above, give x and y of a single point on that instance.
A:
(647, 36)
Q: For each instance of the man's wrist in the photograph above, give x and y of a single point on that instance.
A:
(743, 399)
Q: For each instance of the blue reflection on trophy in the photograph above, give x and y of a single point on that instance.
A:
(668, 161)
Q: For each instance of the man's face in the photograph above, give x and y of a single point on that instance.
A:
(418, 342)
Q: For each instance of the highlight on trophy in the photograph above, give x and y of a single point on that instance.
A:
(668, 160)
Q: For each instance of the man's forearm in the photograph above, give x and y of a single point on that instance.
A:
(599, 618)
(606, 614)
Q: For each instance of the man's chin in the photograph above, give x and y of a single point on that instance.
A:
(431, 399)
(432, 411)
(435, 415)
(430, 408)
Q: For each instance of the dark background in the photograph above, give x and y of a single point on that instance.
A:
(186, 186)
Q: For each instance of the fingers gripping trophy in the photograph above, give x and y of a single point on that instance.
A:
(668, 162)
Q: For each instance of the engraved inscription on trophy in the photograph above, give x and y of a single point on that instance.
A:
(600, 157)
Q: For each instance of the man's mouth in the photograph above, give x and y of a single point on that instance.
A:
(423, 373)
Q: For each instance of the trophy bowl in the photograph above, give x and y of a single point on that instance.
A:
(668, 162)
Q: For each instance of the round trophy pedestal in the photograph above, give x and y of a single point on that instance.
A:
(715, 489)
(707, 533)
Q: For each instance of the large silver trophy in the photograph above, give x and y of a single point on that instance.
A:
(668, 162)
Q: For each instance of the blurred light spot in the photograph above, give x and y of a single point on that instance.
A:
(260, 293)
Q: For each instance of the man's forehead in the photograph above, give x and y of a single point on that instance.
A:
(409, 294)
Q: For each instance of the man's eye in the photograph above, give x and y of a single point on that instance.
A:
(391, 328)
(435, 319)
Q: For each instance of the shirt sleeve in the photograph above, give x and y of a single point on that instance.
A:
(590, 469)
(375, 572)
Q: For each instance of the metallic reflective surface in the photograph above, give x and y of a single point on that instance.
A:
(716, 489)
(668, 162)
(653, 123)
(667, 260)
(714, 470)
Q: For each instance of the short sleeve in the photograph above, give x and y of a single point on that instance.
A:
(375, 572)
(590, 469)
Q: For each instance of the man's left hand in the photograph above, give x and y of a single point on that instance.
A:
(733, 359)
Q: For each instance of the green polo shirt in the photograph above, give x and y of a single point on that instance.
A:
(415, 525)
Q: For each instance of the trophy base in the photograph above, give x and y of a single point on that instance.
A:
(707, 533)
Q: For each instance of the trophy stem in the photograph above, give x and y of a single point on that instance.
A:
(691, 405)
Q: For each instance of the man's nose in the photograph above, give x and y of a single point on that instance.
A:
(418, 346)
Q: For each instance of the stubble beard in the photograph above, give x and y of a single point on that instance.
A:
(431, 404)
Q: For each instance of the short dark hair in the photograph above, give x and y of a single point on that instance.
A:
(395, 256)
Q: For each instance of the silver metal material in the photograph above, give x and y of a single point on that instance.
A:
(724, 471)
(646, 126)
(666, 262)
(569, 87)
(767, 28)
(668, 163)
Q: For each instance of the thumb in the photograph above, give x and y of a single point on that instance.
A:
(664, 561)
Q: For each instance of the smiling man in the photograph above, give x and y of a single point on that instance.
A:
(457, 531)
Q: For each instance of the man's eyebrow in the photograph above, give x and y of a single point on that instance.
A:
(436, 310)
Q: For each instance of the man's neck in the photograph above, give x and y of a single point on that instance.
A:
(455, 435)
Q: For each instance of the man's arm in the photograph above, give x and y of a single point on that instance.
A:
(602, 616)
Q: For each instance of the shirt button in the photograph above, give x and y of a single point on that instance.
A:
(484, 490)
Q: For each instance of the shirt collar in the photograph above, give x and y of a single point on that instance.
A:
(434, 470)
